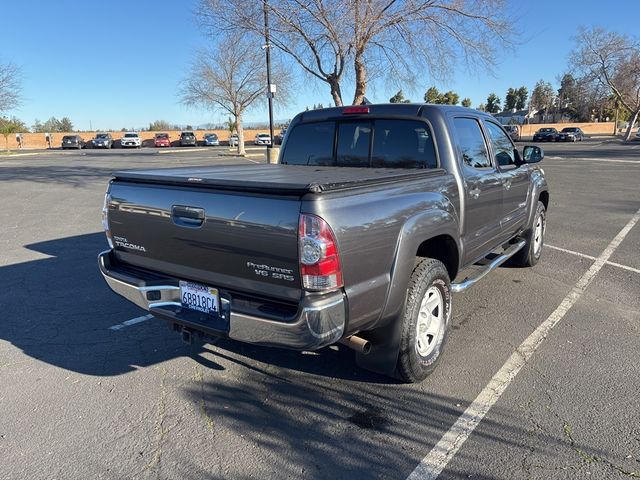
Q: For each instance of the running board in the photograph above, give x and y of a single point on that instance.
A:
(492, 265)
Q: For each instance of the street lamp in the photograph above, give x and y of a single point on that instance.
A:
(271, 89)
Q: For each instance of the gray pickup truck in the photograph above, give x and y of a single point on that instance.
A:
(373, 217)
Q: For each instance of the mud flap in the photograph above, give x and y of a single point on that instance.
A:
(385, 347)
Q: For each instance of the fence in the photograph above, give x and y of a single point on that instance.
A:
(37, 140)
(594, 128)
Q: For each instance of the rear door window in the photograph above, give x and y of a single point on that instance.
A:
(310, 144)
(471, 141)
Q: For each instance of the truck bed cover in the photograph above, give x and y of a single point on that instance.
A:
(286, 179)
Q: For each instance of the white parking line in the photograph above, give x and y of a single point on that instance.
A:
(609, 160)
(441, 454)
(583, 255)
(578, 254)
(133, 321)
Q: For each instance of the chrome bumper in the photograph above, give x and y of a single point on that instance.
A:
(319, 322)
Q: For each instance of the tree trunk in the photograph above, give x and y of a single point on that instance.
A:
(336, 93)
(632, 121)
(361, 79)
(240, 130)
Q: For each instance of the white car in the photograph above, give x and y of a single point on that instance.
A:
(131, 139)
(233, 140)
(262, 139)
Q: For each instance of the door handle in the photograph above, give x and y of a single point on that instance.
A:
(185, 216)
(507, 184)
(475, 192)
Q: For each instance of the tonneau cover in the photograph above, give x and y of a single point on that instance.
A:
(288, 179)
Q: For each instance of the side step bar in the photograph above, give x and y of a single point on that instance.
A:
(492, 265)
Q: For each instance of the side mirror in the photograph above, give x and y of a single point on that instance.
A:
(532, 154)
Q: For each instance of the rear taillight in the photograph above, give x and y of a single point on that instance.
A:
(319, 259)
(105, 219)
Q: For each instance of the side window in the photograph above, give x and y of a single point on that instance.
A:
(472, 144)
(353, 144)
(502, 146)
(402, 144)
(310, 144)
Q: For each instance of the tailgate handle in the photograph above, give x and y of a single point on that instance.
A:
(185, 216)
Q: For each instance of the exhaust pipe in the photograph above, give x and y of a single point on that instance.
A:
(356, 343)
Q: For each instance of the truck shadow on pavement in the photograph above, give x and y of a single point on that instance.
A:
(306, 423)
(59, 310)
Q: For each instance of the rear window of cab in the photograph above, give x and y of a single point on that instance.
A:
(379, 143)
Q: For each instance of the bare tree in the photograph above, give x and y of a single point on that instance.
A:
(378, 37)
(610, 60)
(10, 87)
(229, 79)
(313, 34)
(412, 35)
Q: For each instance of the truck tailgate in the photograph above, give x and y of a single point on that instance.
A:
(245, 242)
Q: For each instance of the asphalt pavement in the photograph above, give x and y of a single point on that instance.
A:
(91, 387)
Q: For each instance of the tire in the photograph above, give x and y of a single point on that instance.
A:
(534, 237)
(425, 321)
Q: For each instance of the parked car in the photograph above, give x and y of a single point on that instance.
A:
(211, 140)
(262, 139)
(102, 140)
(233, 140)
(638, 134)
(546, 135)
(188, 139)
(279, 138)
(360, 235)
(570, 134)
(131, 139)
(161, 140)
(513, 131)
(72, 141)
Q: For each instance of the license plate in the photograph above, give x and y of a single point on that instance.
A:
(199, 297)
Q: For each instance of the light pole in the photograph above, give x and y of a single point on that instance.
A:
(270, 88)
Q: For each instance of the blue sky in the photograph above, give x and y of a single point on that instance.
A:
(119, 63)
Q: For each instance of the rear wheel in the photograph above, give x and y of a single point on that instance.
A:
(425, 321)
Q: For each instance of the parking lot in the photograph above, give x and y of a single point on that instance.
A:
(91, 387)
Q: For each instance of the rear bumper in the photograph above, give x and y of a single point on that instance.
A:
(319, 322)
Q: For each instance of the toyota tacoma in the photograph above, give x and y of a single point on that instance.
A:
(374, 217)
